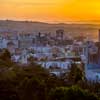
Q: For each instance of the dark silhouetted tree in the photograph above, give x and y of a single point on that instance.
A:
(71, 93)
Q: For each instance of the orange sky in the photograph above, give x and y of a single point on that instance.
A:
(50, 10)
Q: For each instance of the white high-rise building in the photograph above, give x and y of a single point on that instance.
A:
(3, 43)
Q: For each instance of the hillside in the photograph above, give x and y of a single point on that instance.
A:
(35, 27)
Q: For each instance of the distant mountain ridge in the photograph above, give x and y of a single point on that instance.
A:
(35, 27)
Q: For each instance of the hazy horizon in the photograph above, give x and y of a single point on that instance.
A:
(56, 22)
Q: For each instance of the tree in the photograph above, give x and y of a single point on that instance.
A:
(31, 60)
(24, 83)
(32, 89)
(7, 90)
(5, 56)
(71, 93)
(75, 74)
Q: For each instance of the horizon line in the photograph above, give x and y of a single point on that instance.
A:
(56, 22)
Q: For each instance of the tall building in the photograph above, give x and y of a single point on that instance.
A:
(99, 35)
(60, 34)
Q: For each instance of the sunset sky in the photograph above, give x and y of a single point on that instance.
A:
(51, 10)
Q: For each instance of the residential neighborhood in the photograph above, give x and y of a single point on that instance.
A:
(58, 51)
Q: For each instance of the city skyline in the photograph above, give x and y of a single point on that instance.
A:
(51, 11)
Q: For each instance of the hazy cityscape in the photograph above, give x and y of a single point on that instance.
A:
(55, 51)
(50, 50)
(58, 49)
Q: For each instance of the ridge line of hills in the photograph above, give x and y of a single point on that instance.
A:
(11, 26)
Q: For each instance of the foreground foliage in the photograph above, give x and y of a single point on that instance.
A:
(32, 82)
(71, 93)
